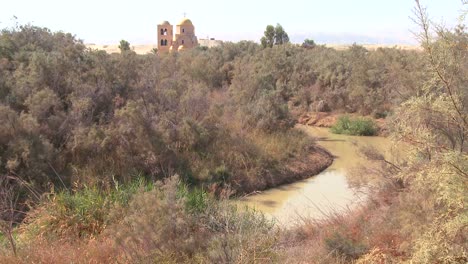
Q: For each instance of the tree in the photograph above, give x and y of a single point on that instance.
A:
(268, 40)
(309, 43)
(274, 36)
(281, 37)
(124, 46)
(433, 125)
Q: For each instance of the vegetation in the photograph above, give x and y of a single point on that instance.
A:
(76, 117)
(358, 126)
(144, 223)
(274, 36)
(78, 124)
(416, 211)
(124, 46)
(309, 43)
(90, 143)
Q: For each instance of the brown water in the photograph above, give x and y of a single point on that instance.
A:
(326, 192)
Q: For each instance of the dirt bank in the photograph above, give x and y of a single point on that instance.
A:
(318, 119)
(298, 168)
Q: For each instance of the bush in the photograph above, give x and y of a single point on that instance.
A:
(165, 222)
(354, 126)
(344, 246)
(79, 214)
(172, 224)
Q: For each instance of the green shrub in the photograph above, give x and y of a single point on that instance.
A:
(359, 126)
(196, 199)
(83, 213)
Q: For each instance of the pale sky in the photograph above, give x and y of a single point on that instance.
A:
(325, 21)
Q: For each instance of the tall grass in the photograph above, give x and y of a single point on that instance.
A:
(282, 145)
(165, 222)
(79, 214)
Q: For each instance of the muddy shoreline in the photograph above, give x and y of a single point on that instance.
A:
(317, 160)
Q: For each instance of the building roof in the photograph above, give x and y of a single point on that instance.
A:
(165, 23)
(185, 22)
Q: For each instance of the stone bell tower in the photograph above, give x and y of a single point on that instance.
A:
(165, 35)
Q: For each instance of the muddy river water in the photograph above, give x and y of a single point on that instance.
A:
(328, 191)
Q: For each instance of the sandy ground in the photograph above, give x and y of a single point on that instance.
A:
(145, 48)
(139, 49)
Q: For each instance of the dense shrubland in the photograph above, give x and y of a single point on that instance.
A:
(89, 142)
(73, 116)
(416, 211)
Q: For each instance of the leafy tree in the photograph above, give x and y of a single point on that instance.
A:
(124, 46)
(268, 40)
(274, 36)
(281, 37)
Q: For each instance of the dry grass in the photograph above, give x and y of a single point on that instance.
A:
(289, 156)
(282, 146)
(168, 224)
(57, 252)
(363, 233)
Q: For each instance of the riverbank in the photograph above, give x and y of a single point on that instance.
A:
(298, 168)
(328, 191)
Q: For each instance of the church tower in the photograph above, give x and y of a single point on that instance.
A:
(165, 35)
(184, 37)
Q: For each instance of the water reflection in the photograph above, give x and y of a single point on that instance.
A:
(319, 195)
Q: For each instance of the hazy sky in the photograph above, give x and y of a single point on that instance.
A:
(326, 21)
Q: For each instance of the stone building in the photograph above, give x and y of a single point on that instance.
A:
(209, 42)
(184, 37)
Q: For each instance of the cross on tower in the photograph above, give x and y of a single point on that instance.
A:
(185, 14)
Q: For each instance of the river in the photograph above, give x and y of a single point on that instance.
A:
(326, 192)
